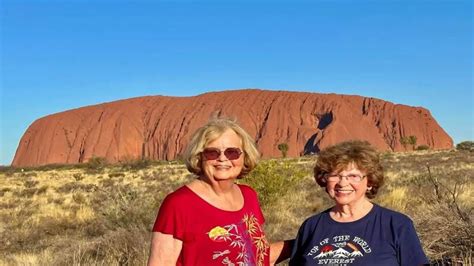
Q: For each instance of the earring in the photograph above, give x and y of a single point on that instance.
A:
(369, 188)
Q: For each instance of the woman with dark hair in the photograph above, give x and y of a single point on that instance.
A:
(355, 231)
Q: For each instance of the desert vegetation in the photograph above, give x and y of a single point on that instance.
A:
(100, 214)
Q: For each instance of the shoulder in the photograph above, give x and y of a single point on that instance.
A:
(174, 211)
(313, 221)
(397, 222)
(247, 190)
(182, 194)
(391, 215)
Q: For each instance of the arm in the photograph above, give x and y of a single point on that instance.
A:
(410, 251)
(280, 251)
(164, 250)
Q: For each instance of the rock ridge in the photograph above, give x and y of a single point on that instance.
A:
(159, 127)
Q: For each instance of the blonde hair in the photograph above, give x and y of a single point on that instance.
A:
(337, 157)
(210, 132)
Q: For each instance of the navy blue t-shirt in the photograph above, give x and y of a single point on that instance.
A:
(382, 237)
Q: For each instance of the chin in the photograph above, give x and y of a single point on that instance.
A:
(343, 202)
(225, 177)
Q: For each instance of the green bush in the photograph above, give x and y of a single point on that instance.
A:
(283, 147)
(422, 148)
(135, 164)
(272, 179)
(96, 163)
(78, 176)
(465, 146)
(116, 174)
(409, 140)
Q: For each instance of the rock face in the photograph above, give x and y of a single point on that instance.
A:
(159, 127)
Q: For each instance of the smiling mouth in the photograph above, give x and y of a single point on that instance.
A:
(341, 191)
(222, 167)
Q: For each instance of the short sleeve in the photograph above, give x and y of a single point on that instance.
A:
(410, 251)
(251, 196)
(170, 219)
(299, 244)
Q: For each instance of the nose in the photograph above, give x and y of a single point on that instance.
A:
(222, 157)
(343, 180)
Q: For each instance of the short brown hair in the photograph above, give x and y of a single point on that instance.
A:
(337, 157)
(210, 132)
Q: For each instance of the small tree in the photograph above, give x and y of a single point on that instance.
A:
(412, 141)
(404, 142)
(283, 147)
(465, 146)
(408, 140)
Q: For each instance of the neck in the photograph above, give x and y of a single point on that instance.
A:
(219, 187)
(351, 212)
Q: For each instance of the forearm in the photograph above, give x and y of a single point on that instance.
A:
(280, 251)
(164, 250)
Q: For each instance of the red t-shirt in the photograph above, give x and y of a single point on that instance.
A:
(212, 236)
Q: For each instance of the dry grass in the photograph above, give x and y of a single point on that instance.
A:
(82, 215)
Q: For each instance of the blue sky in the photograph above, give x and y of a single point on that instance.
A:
(58, 55)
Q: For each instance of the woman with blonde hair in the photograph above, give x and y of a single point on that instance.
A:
(213, 220)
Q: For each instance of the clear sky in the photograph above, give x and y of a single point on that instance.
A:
(62, 54)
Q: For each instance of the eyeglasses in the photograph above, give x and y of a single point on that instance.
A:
(214, 153)
(353, 178)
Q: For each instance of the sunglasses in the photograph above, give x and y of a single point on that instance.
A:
(215, 153)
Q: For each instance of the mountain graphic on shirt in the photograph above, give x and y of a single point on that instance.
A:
(338, 253)
(324, 254)
(356, 254)
(341, 253)
(326, 251)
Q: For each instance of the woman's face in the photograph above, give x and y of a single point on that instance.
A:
(223, 168)
(346, 190)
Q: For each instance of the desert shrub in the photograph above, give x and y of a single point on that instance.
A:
(30, 183)
(43, 189)
(107, 183)
(7, 169)
(443, 219)
(29, 174)
(96, 227)
(58, 201)
(283, 148)
(135, 164)
(31, 238)
(75, 186)
(49, 167)
(422, 147)
(126, 207)
(55, 227)
(117, 247)
(465, 146)
(29, 192)
(116, 174)
(272, 178)
(79, 198)
(26, 193)
(78, 176)
(3, 190)
(96, 164)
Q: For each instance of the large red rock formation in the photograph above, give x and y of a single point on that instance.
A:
(159, 127)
